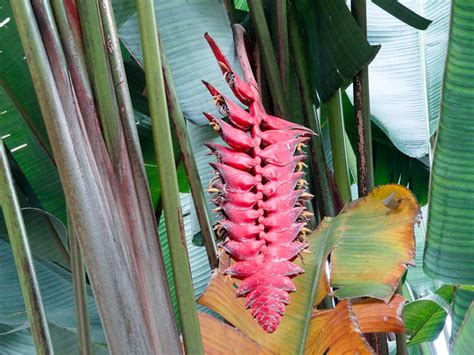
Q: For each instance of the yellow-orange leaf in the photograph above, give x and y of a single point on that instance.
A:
(336, 332)
(375, 242)
(375, 316)
(220, 338)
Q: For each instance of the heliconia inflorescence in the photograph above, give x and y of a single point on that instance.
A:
(260, 190)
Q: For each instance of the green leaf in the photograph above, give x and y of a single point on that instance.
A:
(20, 342)
(182, 26)
(420, 283)
(463, 298)
(56, 291)
(200, 269)
(449, 252)
(241, 5)
(406, 75)
(15, 77)
(370, 258)
(391, 166)
(403, 13)
(464, 341)
(337, 48)
(29, 155)
(425, 318)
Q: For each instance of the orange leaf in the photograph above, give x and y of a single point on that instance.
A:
(375, 242)
(375, 316)
(220, 338)
(335, 331)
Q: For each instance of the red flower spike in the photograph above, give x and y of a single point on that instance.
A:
(260, 190)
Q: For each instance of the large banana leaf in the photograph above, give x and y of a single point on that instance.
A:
(29, 155)
(463, 298)
(390, 164)
(182, 26)
(200, 268)
(406, 75)
(64, 341)
(15, 77)
(420, 284)
(336, 47)
(463, 342)
(449, 252)
(56, 291)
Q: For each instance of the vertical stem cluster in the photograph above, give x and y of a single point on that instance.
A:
(107, 195)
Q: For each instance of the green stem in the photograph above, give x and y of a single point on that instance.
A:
(268, 57)
(401, 338)
(280, 24)
(71, 39)
(120, 83)
(231, 12)
(321, 178)
(195, 185)
(338, 146)
(365, 164)
(80, 294)
(22, 253)
(168, 177)
(100, 74)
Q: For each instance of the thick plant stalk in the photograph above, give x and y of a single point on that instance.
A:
(316, 147)
(338, 146)
(116, 261)
(264, 215)
(168, 177)
(23, 258)
(268, 56)
(195, 186)
(365, 165)
(80, 294)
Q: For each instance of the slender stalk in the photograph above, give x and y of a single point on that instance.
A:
(100, 74)
(282, 42)
(80, 294)
(168, 176)
(401, 338)
(268, 57)
(365, 165)
(230, 7)
(195, 185)
(121, 86)
(338, 146)
(316, 147)
(23, 258)
(69, 30)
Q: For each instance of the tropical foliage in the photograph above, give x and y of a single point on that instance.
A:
(109, 241)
